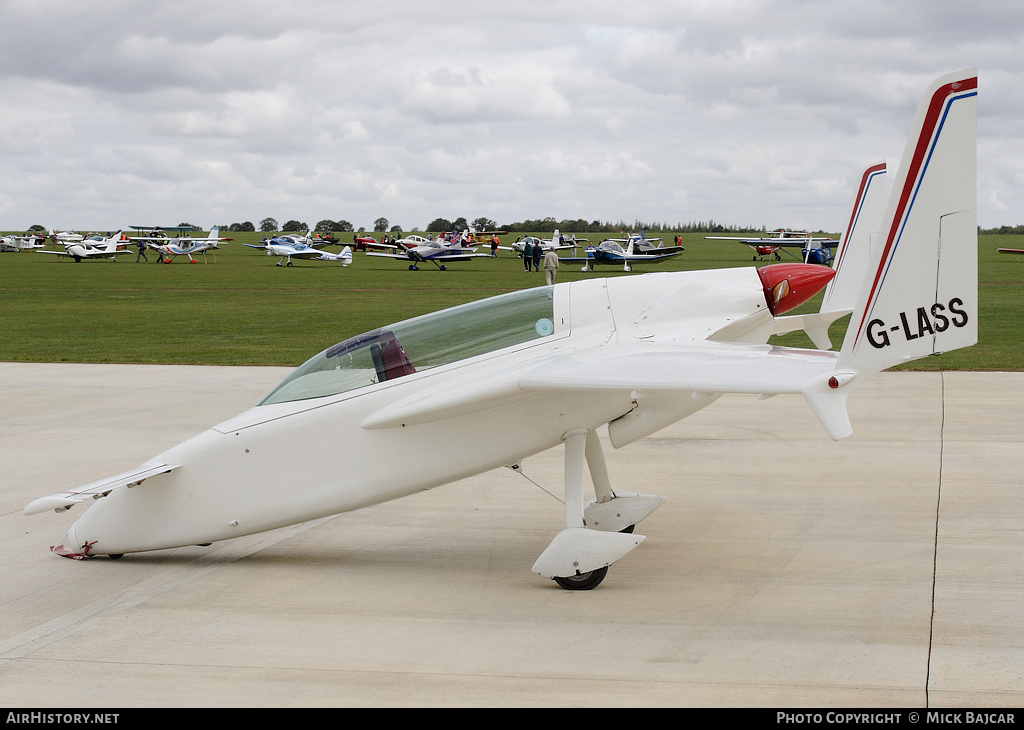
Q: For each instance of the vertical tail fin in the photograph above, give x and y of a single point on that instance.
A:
(920, 296)
(852, 258)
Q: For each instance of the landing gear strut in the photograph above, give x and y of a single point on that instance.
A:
(596, 534)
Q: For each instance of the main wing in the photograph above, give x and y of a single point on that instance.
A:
(710, 368)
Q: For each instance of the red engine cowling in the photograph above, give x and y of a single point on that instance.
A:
(787, 286)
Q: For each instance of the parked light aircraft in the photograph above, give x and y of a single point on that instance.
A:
(813, 249)
(558, 242)
(482, 237)
(66, 236)
(611, 251)
(306, 238)
(344, 256)
(643, 245)
(22, 243)
(94, 247)
(434, 252)
(548, 366)
(170, 248)
(289, 249)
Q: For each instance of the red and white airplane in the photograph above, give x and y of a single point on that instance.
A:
(547, 366)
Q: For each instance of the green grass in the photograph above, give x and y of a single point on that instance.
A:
(238, 308)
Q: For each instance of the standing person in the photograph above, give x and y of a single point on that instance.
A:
(550, 265)
(142, 252)
(494, 246)
(538, 252)
(528, 254)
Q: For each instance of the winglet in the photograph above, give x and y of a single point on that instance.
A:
(854, 254)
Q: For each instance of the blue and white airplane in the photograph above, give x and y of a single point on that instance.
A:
(289, 249)
(611, 251)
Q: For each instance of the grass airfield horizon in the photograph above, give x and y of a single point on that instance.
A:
(235, 307)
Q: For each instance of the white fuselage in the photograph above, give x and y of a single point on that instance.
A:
(285, 463)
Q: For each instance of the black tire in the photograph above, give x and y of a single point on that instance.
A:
(583, 581)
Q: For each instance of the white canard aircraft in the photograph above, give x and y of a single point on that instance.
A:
(550, 365)
(93, 247)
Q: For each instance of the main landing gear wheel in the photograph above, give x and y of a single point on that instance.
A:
(582, 581)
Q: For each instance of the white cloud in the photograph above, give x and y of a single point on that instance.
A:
(745, 112)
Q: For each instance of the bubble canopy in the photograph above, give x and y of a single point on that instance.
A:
(421, 343)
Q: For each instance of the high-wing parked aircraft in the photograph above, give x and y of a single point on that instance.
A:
(813, 249)
(94, 247)
(22, 243)
(440, 253)
(482, 237)
(612, 252)
(557, 242)
(169, 248)
(306, 238)
(548, 366)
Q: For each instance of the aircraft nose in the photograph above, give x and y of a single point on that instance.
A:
(68, 546)
(787, 286)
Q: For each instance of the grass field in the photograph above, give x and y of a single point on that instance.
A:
(236, 307)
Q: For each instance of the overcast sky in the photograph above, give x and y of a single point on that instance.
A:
(133, 112)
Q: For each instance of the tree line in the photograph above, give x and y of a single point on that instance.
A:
(545, 225)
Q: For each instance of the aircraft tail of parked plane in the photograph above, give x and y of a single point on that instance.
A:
(919, 288)
(920, 297)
